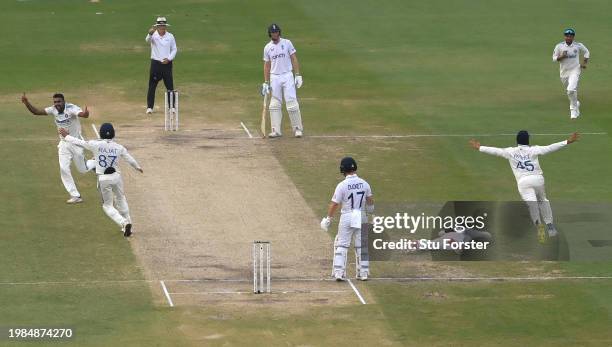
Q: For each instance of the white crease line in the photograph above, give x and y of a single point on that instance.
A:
(167, 294)
(273, 292)
(95, 130)
(247, 130)
(534, 278)
(436, 135)
(356, 291)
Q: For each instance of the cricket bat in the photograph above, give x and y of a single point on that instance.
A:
(263, 116)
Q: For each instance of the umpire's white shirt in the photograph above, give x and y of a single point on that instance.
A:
(162, 47)
(69, 119)
(279, 54)
(524, 159)
(571, 64)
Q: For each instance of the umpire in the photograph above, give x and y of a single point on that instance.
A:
(163, 51)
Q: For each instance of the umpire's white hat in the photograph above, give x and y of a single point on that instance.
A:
(161, 21)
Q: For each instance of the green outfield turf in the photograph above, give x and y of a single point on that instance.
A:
(370, 68)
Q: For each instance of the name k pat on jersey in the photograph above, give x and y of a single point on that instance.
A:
(524, 159)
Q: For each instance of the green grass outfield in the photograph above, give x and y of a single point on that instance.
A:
(392, 67)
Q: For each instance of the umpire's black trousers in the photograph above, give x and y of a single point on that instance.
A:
(159, 72)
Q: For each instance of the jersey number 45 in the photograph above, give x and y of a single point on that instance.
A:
(525, 165)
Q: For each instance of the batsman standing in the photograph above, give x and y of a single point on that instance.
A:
(355, 196)
(529, 176)
(282, 76)
(66, 117)
(163, 52)
(567, 53)
(107, 155)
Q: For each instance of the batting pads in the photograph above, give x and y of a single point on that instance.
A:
(276, 115)
(294, 115)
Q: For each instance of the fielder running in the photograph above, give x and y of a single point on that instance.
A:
(66, 117)
(567, 53)
(355, 195)
(107, 154)
(529, 176)
(280, 66)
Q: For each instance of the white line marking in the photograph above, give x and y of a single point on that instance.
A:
(273, 292)
(167, 294)
(356, 291)
(95, 130)
(467, 279)
(247, 130)
(436, 135)
(534, 278)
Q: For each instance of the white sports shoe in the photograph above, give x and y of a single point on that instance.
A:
(576, 112)
(149, 111)
(363, 276)
(74, 200)
(338, 276)
(298, 133)
(274, 134)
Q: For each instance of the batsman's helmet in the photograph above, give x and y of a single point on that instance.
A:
(522, 138)
(273, 28)
(569, 31)
(348, 164)
(107, 131)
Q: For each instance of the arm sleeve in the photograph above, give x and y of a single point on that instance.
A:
(543, 150)
(265, 55)
(369, 191)
(76, 110)
(126, 155)
(49, 110)
(585, 51)
(291, 48)
(337, 198)
(556, 53)
(148, 37)
(173, 50)
(498, 152)
(79, 142)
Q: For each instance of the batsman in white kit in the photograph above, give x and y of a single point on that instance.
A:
(282, 76)
(355, 196)
(107, 154)
(530, 177)
(66, 117)
(567, 53)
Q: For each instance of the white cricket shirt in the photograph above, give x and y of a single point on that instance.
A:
(279, 54)
(524, 159)
(572, 62)
(352, 193)
(162, 47)
(107, 153)
(69, 119)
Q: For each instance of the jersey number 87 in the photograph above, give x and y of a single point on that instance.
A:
(103, 160)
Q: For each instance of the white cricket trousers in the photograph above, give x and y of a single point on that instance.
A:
(114, 202)
(533, 193)
(283, 85)
(570, 82)
(67, 153)
(342, 243)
